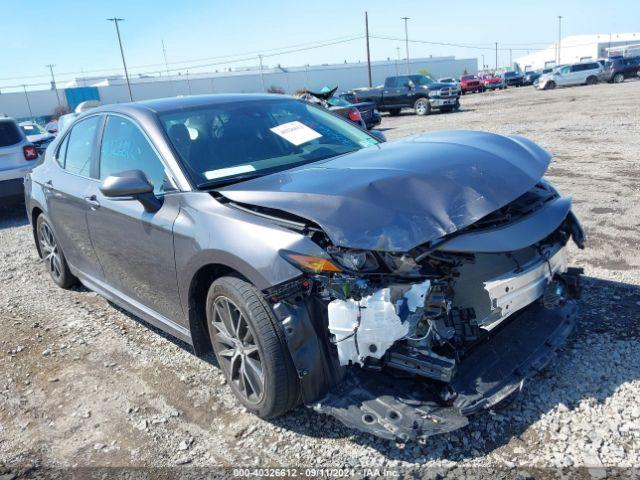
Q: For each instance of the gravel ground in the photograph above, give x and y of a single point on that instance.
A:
(85, 384)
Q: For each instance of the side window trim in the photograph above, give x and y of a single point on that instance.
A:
(168, 171)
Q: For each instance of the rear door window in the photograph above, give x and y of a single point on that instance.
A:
(9, 134)
(81, 146)
(391, 82)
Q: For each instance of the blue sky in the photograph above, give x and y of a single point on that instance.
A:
(75, 36)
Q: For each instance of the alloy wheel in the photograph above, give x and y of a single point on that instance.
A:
(618, 78)
(238, 350)
(421, 107)
(50, 251)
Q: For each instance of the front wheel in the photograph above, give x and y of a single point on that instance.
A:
(51, 253)
(251, 348)
(550, 85)
(422, 107)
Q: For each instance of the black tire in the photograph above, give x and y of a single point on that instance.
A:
(618, 78)
(592, 80)
(258, 340)
(394, 112)
(550, 85)
(52, 255)
(463, 92)
(422, 106)
(456, 106)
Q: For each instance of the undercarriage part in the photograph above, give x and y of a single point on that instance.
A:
(403, 408)
(422, 362)
(368, 327)
(517, 351)
(388, 407)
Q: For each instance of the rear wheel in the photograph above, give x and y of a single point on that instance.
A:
(618, 78)
(394, 112)
(592, 80)
(250, 347)
(422, 107)
(54, 260)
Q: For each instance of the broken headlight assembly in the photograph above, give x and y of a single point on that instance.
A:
(356, 260)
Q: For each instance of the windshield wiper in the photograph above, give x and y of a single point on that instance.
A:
(222, 182)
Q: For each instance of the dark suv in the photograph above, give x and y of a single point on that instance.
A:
(617, 69)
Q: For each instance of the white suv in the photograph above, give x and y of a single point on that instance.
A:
(17, 157)
(585, 73)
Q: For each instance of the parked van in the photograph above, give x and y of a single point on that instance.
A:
(585, 73)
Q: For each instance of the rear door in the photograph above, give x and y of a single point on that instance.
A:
(66, 188)
(135, 247)
(395, 92)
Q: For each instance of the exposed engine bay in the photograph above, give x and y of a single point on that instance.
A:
(414, 321)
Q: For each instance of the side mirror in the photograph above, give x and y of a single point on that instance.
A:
(379, 135)
(409, 85)
(131, 185)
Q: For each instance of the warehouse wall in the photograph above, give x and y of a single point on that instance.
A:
(347, 77)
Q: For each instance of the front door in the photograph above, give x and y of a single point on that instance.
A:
(135, 247)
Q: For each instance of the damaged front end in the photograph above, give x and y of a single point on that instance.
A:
(406, 345)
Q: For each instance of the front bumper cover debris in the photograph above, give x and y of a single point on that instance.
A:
(407, 409)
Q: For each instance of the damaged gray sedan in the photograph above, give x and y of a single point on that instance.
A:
(400, 287)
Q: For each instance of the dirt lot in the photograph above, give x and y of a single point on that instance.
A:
(85, 384)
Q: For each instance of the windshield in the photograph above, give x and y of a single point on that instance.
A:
(31, 129)
(510, 74)
(223, 142)
(421, 79)
(467, 77)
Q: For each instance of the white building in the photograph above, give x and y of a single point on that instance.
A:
(577, 48)
(113, 89)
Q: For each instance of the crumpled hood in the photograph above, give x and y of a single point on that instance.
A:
(398, 195)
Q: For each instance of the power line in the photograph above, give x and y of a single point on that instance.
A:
(253, 53)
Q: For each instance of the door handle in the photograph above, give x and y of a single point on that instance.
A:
(48, 184)
(93, 203)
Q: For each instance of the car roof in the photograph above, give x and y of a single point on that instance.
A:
(161, 105)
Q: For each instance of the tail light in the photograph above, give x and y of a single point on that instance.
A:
(30, 152)
(354, 115)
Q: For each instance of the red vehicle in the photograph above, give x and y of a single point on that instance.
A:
(471, 83)
(493, 81)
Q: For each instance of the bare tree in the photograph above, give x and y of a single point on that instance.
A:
(59, 111)
(275, 89)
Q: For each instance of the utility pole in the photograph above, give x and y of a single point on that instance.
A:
(115, 20)
(406, 42)
(496, 56)
(482, 62)
(510, 58)
(397, 60)
(366, 28)
(559, 36)
(53, 82)
(26, 95)
(188, 83)
(261, 74)
(164, 54)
